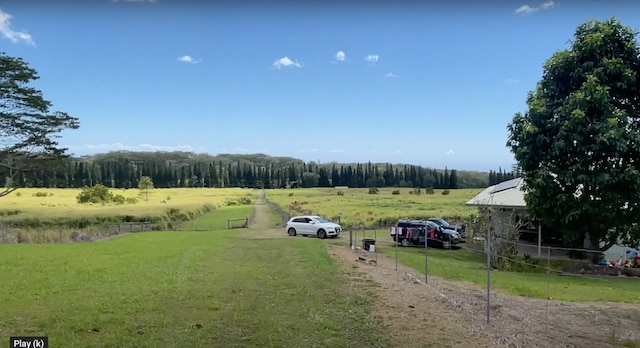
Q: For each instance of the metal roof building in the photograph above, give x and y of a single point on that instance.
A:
(508, 194)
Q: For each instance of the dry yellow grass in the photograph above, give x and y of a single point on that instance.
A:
(357, 206)
(61, 203)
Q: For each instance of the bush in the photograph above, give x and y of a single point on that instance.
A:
(133, 200)
(340, 193)
(395, 192)
(98, 194)
(445, 192)
(373, 190)
(429, 190)
(42, 194)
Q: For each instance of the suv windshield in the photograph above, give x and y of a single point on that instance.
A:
(441, 222)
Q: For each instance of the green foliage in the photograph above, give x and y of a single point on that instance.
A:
(373, 190)
(145, 184)
(29, 128)
(429, 190)
(577, 144)
(445, 192)
(395, 192)
(100, 194)
(42, 194)
(340, 193)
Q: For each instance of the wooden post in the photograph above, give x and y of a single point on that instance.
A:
(539, 239)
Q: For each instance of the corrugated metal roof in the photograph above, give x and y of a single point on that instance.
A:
(506, 194)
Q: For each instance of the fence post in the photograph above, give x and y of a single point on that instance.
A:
(488, 273)
(351, 238)
(426, 265)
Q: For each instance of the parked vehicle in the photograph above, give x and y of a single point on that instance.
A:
(312, 225)
(446, 225)
(414, 232)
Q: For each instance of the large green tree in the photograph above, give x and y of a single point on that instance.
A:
(28, 129)
(578, 144)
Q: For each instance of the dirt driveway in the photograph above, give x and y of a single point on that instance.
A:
(444, 314)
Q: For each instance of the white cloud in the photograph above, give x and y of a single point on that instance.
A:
(336, 151)
(188, 59)
(309, 150)
(450, 153)
(511, 81)
(341, 56)
(151, 1)
(373, 58)
(286, 61)
(390, 75)
(13, 35)
(139, 147)
(526, 9)
(547, 5)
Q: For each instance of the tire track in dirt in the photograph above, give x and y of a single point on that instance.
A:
(260, 224)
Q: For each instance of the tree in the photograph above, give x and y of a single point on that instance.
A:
(578, 143)
(28, 129)
(145, 184)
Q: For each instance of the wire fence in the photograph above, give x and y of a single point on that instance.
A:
(570, 297)
(21, 234)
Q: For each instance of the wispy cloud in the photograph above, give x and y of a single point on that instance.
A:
(92, 148)
(309, 150)
(286, 62)
(372, 58)
(511, 82)
(9, 33)
(188, 59)
(336, 151)
(450, 152)
(526, 9)
(390, 75)
(150, 1)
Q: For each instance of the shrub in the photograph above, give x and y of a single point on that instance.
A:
(373, 190)
(445, 192)
(395, 192)
(131, 200)
(42, 194)
(429, 190)
(340, 193)
(98, 194)
(18, 194)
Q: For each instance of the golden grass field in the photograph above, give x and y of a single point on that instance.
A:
(60, 204)
(357, 206)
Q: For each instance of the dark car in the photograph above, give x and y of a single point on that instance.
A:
(413, 232)
(446, 225)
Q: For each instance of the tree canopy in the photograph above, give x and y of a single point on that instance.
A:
(28, 129)
(578, 143)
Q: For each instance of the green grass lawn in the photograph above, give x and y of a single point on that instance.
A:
(189, 289)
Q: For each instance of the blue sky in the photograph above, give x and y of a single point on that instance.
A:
(429, 84)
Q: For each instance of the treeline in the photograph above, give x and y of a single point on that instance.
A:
(496, 177)
(181, 169)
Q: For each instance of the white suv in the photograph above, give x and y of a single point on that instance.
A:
(312, 225)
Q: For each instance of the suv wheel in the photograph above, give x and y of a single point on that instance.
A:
(292, 232)
(322, 234)
(446, 244)
(404, 242)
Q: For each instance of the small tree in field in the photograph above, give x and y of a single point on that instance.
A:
(145, 184)
(578, 144)
(28, 129)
